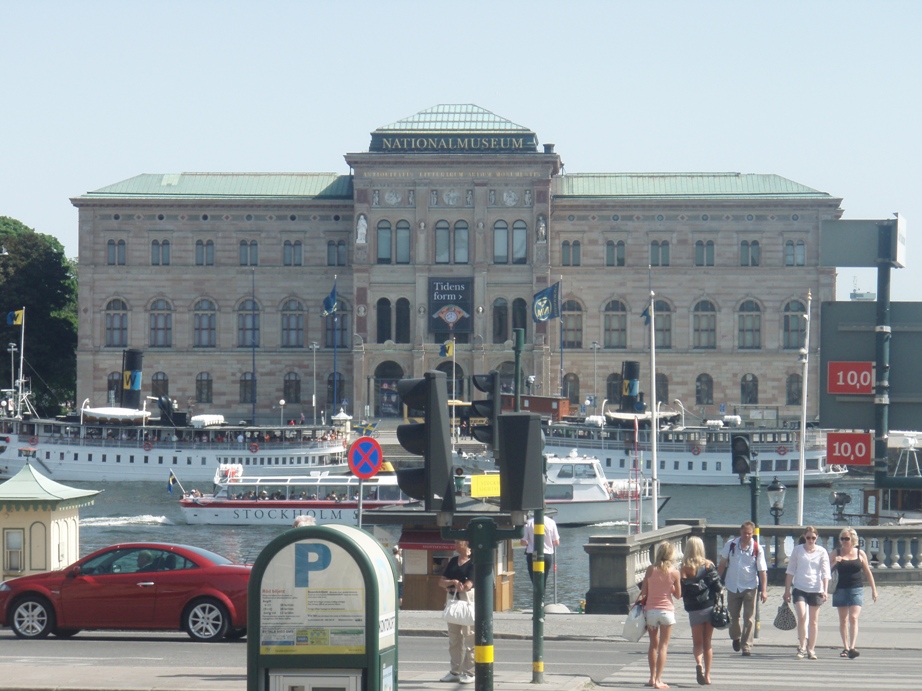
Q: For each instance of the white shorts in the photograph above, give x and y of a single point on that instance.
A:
(660, 617)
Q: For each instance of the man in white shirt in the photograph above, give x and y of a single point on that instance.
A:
(551, 540)
(742, 566)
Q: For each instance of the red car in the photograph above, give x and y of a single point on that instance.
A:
(143, 586)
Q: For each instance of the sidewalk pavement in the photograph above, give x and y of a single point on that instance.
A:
(894, 623)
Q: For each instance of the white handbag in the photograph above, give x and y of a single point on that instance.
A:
(458, 611)
(636, 623)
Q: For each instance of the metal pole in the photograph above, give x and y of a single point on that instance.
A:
(755, 481)
(518, 346)
(253, 341)
(595, 376)
(539, 582)
(881, 356)
(654, 424)
(314, 345)
(803, 415)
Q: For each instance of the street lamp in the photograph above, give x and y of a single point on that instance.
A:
(776, 491)
(314, 346)
(595, 389)
(282, 412)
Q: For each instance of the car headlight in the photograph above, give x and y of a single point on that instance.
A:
(4, 587)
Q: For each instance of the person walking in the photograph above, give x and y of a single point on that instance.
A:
(551, 541)
(808, 573)
(700, 589)
(458, 580)
(850, 562)
(661, 583)
(743, 569)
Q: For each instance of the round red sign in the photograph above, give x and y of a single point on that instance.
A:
(365, 457)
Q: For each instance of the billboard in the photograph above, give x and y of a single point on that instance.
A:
(451, 306)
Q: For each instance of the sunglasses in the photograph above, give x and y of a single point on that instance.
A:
(810, 537)
(844, 537)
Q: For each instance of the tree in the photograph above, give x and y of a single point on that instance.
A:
(36, 275)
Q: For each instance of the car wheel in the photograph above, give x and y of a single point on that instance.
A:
(32, 617)
(236, 634)
(206, 621)
(65, 633)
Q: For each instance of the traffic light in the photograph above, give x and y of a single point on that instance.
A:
(491, 408)
(521, 474)
(431, 439)
(741, 454)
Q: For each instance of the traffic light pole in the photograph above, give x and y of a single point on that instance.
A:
(538, 582)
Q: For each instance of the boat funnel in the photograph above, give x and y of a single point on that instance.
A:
(131, 379)
(630, 387)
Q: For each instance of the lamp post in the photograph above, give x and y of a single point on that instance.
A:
(282, 412)
(595, 381)
(314, 346)
(776, 491)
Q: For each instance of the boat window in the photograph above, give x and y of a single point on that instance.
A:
(812, 464)
(662, 465)
(564, 492)
(795, 464)
(585, 470)
(648, 465)
(675, 465)
(621, 464)
(781, 465)
(566, 471)
(89, 457)
(765, 465)
(704, 465)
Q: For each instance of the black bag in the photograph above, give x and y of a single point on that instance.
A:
(785, 619)
(720, 616)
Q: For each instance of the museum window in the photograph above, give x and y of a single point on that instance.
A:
(663, 326)
(203, 388)
(520, 242)
(13, 552)
(750, 326)
(500, 242)
(383, 320)
(500, 320)
(249, 253)
(383, 239)
(336, 327)
(520, 316)
(336, 253)
(704, 390)
(704, 253)
(571, 313)
(613, 388)
(248, 324)
(462, 243)
(161, 324)
(795, 325)
(704, 325)
(662, 388)
(116, 324)
(614, 253)
(291, 253)
(451, 248)
(204, 253)
(115, 252)
(750, 253)
(247, 388)
(571, 389)
(793, 389)
(291, 388)
(442, 242)
(614, 324)
(402, 322)
(795, 253)
(204, 324)
(159, 385)
(113, 388)
(659, 253)
(570, 253)
(749, 389)
(293, 324)
(160, 253)
(336, 389)
(403, 242)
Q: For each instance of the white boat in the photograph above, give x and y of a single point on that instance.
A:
(240, 499)
(694, 455)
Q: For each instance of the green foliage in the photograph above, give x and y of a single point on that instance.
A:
(36, 275)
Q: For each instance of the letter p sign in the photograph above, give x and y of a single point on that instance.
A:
(310, 557)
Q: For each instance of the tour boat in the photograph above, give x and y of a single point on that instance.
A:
(241, 499)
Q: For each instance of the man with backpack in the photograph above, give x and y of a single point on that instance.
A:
(742, 566)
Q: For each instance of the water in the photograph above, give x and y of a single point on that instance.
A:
(145, 511)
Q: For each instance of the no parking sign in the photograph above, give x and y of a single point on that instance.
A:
(365, 457)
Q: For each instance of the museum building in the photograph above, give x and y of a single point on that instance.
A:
(443, 233)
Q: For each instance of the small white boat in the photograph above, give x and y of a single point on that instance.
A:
(240, 499)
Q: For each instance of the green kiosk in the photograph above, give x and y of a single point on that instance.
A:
(322, 613)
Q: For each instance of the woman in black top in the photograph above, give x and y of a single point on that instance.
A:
(850, 563)
(700, 588)
(458, 580)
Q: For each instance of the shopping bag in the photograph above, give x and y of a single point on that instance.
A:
(720, 617)
(635, 624)
(459, 612)
(785, 619)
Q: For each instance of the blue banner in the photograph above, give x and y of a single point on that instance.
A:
(546, 304)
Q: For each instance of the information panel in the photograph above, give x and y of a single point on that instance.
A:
(849, 448)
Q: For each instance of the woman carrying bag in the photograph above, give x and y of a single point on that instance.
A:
(458, 580)
(808, 573)
(660, 585)
(700, 589)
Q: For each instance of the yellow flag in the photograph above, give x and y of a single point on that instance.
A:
(14, 318)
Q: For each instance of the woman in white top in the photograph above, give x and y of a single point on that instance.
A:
(808, 572)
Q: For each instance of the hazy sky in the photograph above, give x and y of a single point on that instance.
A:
(824, 93)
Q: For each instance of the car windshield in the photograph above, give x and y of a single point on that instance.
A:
(213, 557)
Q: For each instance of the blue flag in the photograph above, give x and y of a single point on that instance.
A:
(14, 318)
(329, 303)
(546, 304)
(172, 481)
(646, 316)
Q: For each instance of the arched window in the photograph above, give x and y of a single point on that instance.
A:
(291, 388)
(462, 243)
(249, 253)
(204, 324)
(115, 252)
(160, 253)
(336, 326)
(403, 242)
(500, 242)
(341, 253)
(116, 324)
(520, 316)
(442, 242)
(704, 253)
(291, 253)
(247, 388)
(384, 242)
(402, 322)
(572, 324)
(203, 388)
(795, 326)
(336, 395)
(571, 388)
(794, 253)
(500, 320)
(615, 325)
(384, 320)
(614, 253)
(204, 253)
(576, 254)
(663, 313)
(293, 324)
(331, 253)
(750, 253)
(659, 253)
(613, 388)
(565, 253)
(704, 390)
(750, 326)
(519, 242)
(794, 387)
(248, 324)
(113, 387)
(662, 388)
(704, 325)
(159, 385)
(749, 389)
(161, 324)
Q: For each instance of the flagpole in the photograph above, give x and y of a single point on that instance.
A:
(22, 349)
(654, 425)
(253, 340)
(454, 390)
(335, 338)
(560, 321)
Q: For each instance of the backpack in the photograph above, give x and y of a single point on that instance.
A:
(755, 548)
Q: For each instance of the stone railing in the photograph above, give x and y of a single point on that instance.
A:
(617, 563)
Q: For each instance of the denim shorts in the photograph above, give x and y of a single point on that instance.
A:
(812, 599)
(659, 617)
(848, 597)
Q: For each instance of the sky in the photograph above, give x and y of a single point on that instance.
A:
(823, 93)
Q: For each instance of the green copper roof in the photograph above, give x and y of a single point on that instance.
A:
(231, 185)
(454, 117)
(28, 485)
(677, 185)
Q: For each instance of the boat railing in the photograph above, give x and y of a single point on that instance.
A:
(246, 447)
